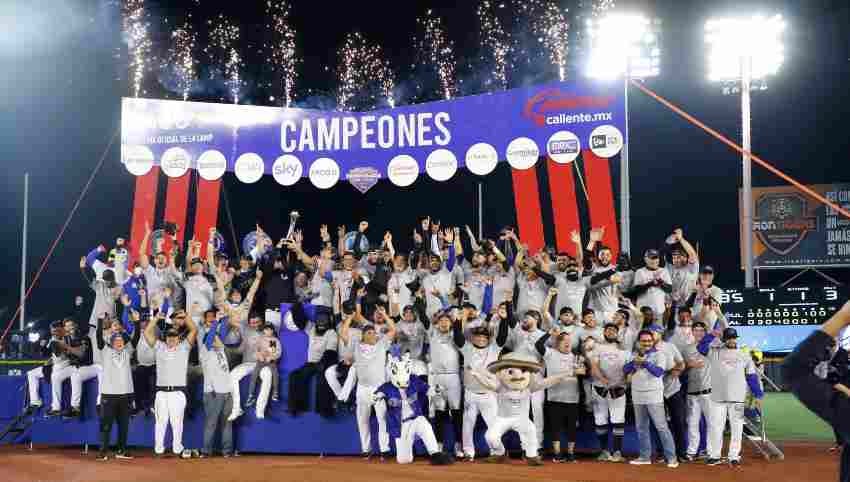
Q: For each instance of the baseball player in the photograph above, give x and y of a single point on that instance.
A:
(608, 392)
(370, 356)
(444, 371)
(172, 363)
(646, 370)
(699, 391)
(117, 389)
(652, 284)
(571, 285)
(562, 398)
(674, 397)
(478, 353)
(57, 370)
(603, 293)
(218, 399)
(732, 371)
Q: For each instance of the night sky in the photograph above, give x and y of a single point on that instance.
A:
(65, 73)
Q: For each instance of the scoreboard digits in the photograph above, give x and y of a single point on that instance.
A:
(788, 306)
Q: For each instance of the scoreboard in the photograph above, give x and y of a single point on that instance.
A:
(777, 319)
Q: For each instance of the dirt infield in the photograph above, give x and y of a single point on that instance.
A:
(803, 462)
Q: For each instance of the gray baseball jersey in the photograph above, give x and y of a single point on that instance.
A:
(654, 297)
(567, 391)
(570, 293)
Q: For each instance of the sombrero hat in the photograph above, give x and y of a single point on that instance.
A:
(515, 360)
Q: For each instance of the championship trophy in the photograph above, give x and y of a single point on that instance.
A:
(293, 218)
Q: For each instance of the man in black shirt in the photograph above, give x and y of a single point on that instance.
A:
(829, 400)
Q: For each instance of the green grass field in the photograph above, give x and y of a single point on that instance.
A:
(788, 420)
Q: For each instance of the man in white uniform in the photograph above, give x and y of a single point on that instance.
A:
(732, 372)
(172, 363)
(370, 356)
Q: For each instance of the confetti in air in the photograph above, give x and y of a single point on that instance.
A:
(223, 37)
(549, 24)
(283, 56)
(361, 65)
(181, 57)
(600, 7)
(438, 49)
(138, 41)
(496, 40)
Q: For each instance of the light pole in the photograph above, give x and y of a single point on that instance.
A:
(627, 46)
(745, 50)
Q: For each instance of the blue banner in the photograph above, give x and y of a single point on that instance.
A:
(436, 138)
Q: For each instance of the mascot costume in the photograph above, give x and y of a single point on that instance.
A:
(403, 396)
(511, 378)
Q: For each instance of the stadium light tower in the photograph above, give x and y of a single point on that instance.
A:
(627, 46)
(743, 52)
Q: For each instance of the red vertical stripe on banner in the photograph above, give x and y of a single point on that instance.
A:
(177, 203)
(562, 189)
(206, 210)
(527, 202)
(144, 208)
(601, 192)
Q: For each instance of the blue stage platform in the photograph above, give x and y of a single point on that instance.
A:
(277, 433)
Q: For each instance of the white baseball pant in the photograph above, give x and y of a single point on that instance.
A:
(418, 427)
(169, 409)
(365, 402)
(698, 405)
(33, 378)
(57, 377)
(607, 409)
(484, 404)
(450, 382)
(537, 400)
(81, 375)
(524, 428)
(717, 422)
(240, 372)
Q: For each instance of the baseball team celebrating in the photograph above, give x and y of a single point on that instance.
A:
(428, 340)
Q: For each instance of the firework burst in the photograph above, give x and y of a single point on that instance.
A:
(181, 57)
(283, 56)
(496, 40)
(138, 41)
(361, 64)
(549, 24)
(439, 51)
(222, 49)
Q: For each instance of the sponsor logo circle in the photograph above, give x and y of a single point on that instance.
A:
(137, 159)
(287, 170)
(522, 153)
(324, 173)
(403, 170)
(175, 162)
(441, 165)
(606, 141)
(211, 165)
(481, 159)
(563, 147)
(249, 168)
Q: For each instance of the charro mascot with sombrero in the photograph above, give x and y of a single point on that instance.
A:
(511, 378)
(404, 395)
